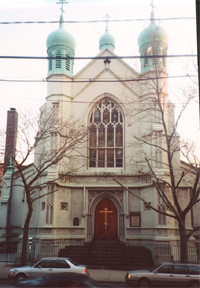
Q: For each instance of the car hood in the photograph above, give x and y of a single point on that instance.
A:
(19, 268)
(139, 272)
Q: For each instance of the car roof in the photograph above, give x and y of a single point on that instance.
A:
(55, 258)
(181, 263)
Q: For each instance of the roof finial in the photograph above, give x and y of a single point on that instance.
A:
(107, 17)
(61, 8)
(152, 12)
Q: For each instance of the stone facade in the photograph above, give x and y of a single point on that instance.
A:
(109, 106)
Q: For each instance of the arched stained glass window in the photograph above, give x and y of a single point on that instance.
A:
(106, 135)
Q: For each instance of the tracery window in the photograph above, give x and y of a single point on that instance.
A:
(106, 135)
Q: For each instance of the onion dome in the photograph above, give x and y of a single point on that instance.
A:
(60, 43)
(153, 40)
(61, 37)
(153, 33)
(107, 41)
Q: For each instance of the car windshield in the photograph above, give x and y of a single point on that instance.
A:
(154, 267)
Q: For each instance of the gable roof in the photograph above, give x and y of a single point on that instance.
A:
(119, 68)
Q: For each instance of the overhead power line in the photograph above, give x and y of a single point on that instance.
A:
(96, 21)
(90, 80)
(97, 57)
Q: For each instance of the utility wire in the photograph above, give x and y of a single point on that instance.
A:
(96, 57)
(95, 21)
(93, 102)
(95, 80)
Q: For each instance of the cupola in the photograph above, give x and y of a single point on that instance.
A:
(153, 40)
(60, 43)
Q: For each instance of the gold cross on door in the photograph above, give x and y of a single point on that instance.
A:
(106, 218)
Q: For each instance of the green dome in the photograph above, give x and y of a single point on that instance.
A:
(61, 37)
(107, 41)
(153, 32)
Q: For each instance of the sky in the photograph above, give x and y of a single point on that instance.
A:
(30, 40)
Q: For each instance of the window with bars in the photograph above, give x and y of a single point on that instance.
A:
(67, 62)
(58, 59)
(146, 60)
(50, 62)
(155, 53)
(164, 52)
(106, 135)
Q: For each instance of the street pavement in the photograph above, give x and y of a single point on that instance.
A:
(102, 275)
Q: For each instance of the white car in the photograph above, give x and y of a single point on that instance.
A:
(170, 274)
(47, 266)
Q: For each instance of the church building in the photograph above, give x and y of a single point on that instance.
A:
(115, 104)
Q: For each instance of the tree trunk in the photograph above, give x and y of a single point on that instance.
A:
(25, 236)
(183, 243)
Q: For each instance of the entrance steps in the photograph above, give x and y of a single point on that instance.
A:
(109, 255)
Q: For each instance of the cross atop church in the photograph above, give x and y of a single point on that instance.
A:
(107, 17)
(61, 8)
(152, 6)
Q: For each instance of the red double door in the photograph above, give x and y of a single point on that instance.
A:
(106, 220)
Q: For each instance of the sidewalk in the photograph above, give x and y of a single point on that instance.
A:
(102, 275)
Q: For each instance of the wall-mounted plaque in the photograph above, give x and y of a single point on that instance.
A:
(135, 219)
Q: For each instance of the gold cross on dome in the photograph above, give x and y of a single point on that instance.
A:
(62, 2)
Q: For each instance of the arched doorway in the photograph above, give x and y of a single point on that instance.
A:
(106, 220)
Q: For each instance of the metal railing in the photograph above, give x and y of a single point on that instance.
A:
(38, 249)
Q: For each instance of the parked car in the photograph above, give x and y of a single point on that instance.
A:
(61, 280)
(170, 274)
(47, 266)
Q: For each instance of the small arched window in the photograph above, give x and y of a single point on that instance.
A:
(58, 59)
(106, 135)
(76, 221)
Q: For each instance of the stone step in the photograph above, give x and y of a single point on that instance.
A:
(109, 255)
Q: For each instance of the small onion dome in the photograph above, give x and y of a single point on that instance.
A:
(61, 37)
(107, 41)
(153, 33)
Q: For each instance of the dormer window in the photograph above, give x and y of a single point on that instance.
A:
(106, 135)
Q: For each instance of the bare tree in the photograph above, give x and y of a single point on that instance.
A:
(56, 143)
(158, 144)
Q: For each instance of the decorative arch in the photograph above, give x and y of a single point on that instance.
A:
(106, 139)
(107, 194)
(95, 198)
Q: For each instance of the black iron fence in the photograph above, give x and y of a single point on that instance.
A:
(38, 249)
